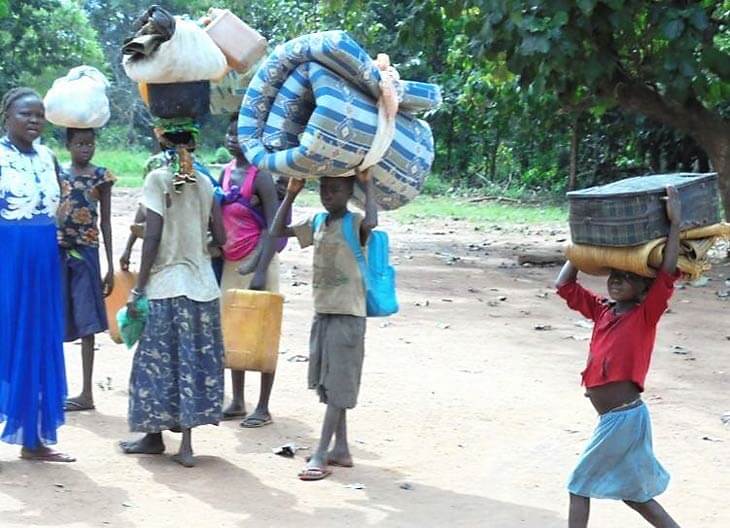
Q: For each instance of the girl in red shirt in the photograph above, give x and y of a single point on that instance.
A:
(619, 461)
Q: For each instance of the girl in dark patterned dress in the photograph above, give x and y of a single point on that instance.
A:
(177, 371)
(86, 188)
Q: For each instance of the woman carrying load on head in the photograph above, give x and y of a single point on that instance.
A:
(177, 371)
(32, 375)
(167, 133)
(250, 259)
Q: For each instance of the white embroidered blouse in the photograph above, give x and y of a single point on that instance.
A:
(29, 189)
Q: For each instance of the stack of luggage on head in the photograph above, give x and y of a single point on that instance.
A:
(623, 225)
(319, 105)
(174, 60)
(190, 69)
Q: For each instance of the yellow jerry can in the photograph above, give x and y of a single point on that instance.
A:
(251, 326)
(124, 281)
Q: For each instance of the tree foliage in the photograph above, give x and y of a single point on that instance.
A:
(589, 46)
(667, 60)
(41, 39)
(535, 93)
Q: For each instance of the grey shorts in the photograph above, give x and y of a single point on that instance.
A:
(336, 352)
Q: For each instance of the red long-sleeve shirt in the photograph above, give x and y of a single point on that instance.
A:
(621, 345)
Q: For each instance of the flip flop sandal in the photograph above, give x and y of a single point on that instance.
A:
(251, 422)
(74, 406)
(312, 474)
(54, 456)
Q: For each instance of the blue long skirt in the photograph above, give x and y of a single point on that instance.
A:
(32, 373)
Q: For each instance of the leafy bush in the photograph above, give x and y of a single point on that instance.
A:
(222, 155)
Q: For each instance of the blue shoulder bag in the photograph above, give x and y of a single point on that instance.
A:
(377, 274)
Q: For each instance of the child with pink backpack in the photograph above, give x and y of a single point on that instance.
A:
(250, 257)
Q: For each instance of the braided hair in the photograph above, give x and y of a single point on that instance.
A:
(10, 97)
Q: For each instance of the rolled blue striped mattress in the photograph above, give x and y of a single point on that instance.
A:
(310, 111)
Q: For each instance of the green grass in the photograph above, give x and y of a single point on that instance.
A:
(442, 207)
(479, 212)
(126, 165)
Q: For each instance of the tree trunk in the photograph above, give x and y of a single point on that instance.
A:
(493, 161)
(709, 129)
(450, 141)
(573, 171)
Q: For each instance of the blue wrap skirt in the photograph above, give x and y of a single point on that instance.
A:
(32, 372)
(82, 291)
(619, 461)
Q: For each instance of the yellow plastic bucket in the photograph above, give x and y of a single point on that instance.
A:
(251, 329)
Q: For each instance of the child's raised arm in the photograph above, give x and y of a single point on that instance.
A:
(577, 297)
(674, 214)
(278, 229)
(567, 274)
(370, 221)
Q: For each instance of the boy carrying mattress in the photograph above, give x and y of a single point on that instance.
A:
(337, 339)
(619, 461)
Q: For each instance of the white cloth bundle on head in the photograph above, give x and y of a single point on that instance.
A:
(78, 100)
(190, 55)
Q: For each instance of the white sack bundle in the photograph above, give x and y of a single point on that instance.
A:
(79, 99)
(190, 55)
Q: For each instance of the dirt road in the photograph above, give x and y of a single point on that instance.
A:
(468, 416)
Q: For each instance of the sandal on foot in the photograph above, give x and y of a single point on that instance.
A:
(309, 474)
(73, 406)
(50, 456)
(252, 422)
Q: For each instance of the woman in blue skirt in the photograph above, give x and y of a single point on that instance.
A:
(32, 376)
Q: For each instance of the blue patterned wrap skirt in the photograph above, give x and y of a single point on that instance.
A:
(177, 371)
(619, 461)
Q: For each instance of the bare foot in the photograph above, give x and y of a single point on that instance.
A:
(149, 444)
(335, 458)
(185, 459)
(79, 403)
(234, 410)
(338, 459)
(45, 454)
